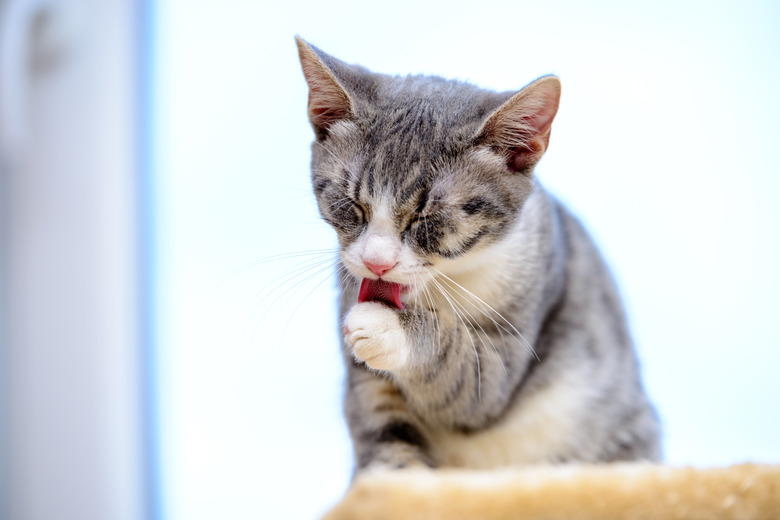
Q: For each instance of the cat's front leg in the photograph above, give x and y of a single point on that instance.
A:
(384, 431)
(377, 337)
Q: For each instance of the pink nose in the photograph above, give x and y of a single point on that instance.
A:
(379, 268)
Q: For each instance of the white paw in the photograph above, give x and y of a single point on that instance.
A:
(376, 336)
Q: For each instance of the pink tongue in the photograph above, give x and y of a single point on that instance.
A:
(380, 291)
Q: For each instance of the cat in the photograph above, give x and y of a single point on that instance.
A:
(481, 327)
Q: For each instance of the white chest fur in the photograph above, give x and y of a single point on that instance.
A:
(539, 429)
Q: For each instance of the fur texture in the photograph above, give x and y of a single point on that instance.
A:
(509, 345)
(624, 491)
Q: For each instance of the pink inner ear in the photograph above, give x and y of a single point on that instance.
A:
(521, 127)
(535, 138)
(520, 159)
(328, 102)
(540, 117)
(324, 115)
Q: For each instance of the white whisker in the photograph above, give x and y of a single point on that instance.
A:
(338, 267)
(301, 269)
(274, 258)
(474, 321)
(465, 292)
(458, 316)
(302, 273)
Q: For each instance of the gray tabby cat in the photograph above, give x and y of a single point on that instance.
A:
(481, 326)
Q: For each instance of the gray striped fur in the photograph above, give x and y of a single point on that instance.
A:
(512, 347)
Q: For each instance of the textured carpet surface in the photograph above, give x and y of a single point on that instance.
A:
(628, 491)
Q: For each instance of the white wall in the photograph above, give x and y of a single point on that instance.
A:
(72, 428)
(665, 145)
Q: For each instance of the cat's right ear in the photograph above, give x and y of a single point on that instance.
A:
(520, 128)
(328, 100)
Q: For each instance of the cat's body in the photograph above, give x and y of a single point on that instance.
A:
(481, 327)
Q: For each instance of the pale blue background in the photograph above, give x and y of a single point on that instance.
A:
(666, 145)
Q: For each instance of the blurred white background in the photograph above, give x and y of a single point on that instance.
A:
(73, 433)
(665, 145)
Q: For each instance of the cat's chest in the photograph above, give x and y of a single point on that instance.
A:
(541, 428)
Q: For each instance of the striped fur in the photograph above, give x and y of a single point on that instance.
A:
(512, 346)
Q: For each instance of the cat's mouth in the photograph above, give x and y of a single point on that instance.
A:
(381, 291)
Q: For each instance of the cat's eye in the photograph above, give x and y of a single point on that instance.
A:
(418, 214)
(422, 223)
(360, 212)
(417, 217)
(346, 215)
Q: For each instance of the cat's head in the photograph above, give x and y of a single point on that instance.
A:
(419, 173)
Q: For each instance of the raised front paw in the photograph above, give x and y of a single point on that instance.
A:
(376, 336)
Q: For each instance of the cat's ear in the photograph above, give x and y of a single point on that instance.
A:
(520, 128)
(328, 100)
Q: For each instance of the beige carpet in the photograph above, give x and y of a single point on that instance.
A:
(627, 491)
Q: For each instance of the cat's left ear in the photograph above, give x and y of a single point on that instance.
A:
(520, 128)
(328, 100)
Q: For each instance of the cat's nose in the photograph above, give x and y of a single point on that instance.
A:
(379, 268)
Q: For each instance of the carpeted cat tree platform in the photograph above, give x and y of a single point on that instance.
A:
(625, 491)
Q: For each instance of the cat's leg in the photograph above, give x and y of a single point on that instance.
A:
(384, 431)
(455, 375)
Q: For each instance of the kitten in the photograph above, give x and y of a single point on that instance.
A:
(481, 327)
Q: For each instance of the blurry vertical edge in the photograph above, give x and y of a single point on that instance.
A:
(146, 203)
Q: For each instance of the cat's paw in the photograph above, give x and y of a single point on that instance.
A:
(376, 336)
